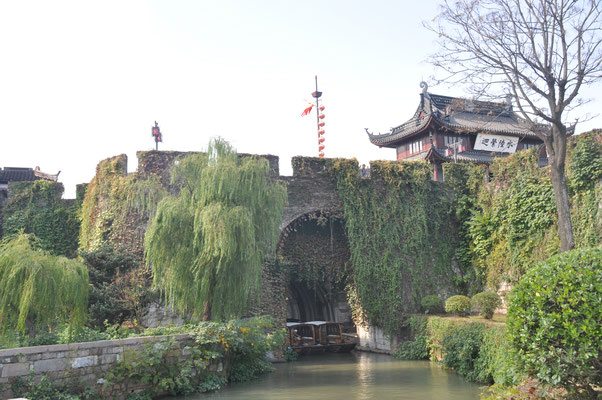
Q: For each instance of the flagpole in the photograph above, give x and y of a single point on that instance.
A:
(317, 109)
(317, 96)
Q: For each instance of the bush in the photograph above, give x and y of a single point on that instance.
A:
(432, 304)
(554, 321)
(474, 350)
(119, 287)
(418, 348)
(495, 362)
(487, 303)
(461, 347)
(46, 389)
(458, 304)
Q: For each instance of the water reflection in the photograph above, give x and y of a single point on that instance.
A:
(359, 376)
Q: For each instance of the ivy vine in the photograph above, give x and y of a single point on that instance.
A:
(37, 208)
(401, 235)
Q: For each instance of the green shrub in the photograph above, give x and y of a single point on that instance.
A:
(416, 349)
(290, 354)
(247, 343)
(80, 335)
(46, 389)
(554, 321)
(119, 287)
(476, 351)
(487, 303)
(241, 346)
(495, 362)
(458, 304)
(461, 349)
(432, 304)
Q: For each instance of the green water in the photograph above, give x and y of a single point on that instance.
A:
(356, 376)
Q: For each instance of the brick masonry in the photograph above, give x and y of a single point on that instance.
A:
(81, 364)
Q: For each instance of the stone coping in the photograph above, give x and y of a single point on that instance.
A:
(87, 345)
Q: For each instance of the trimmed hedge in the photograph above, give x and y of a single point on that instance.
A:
(487, 302)
(458, 304)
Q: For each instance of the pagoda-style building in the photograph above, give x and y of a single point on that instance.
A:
(451, 129)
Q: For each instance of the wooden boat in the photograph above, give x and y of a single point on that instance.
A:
(317, 337)
(330, 334)
(302, 338)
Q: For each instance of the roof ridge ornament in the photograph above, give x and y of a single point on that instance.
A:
(424, 86)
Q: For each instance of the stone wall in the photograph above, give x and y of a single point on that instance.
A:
(81, 364)
(372, 338)
(311, 189)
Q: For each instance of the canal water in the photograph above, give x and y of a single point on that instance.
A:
(355, 376)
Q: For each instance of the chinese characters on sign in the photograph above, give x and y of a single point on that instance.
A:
(501, 144)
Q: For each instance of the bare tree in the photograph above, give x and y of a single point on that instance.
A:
(540, 51)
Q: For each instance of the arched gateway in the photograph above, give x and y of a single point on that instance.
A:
(313, 245)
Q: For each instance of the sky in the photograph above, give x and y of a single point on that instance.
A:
(81, 81)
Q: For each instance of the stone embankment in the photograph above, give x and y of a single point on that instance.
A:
(81, 364)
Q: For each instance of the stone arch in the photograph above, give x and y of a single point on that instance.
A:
(314, 243)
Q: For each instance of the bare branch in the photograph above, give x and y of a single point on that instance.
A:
(542, 51)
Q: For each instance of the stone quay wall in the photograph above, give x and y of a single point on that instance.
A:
(80, 364)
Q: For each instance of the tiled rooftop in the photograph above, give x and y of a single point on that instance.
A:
(460, 115)
(13, 174)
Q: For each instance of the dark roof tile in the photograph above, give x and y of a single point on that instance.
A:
(13, 174)
(461, 115)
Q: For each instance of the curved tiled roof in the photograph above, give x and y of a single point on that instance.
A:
(460, 115)
(12, 174)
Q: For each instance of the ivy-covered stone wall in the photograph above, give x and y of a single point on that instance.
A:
(389, 240)
(402, 235)
(37, 208)
(509, 224)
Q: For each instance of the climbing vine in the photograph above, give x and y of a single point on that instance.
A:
(37, 208)
(115, 211)
(316, 249)
(509, 224)
(401, 235)
(465, 180)
(584, 176)
(116, 204)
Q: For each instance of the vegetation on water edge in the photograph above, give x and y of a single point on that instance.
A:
(479, 352)
(238, 346)
(553, 332)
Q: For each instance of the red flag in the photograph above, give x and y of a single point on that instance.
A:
(307, 110)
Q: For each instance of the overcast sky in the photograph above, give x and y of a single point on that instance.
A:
(81, 81)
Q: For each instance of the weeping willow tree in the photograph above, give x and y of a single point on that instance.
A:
(207, 243)
(38, 289)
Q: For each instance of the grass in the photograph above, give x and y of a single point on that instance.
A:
(497, 320)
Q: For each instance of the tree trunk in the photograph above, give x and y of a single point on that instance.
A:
(556, 149)
(207, 311)
(31, 328)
